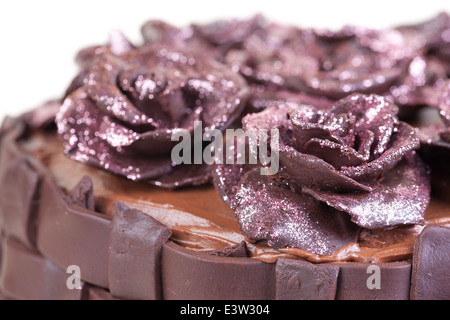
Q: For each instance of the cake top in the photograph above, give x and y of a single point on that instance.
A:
(321, 116)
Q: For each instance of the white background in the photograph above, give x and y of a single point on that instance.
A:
(39, 39)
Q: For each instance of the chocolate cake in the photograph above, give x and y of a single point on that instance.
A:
(94, 207)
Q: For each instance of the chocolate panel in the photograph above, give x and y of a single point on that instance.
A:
(18, 194)
(364, 281)
(96, 293)
(302, 280)
(431, 262)
(188, 274)
(135, 254)
(2, 239)
(29, 276)
(72, 235)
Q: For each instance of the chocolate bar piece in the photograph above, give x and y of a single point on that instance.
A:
(202, 276)
(431, 261)
(302, 280)
(96, 293)
(18, 194)
(26, 275)
(384, 281)
(70, 234)
(135, 254)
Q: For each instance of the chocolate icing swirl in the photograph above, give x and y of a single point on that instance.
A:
(121, 110)
(356, 158)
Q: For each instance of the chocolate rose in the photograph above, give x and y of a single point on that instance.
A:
(355, 160)
(319, 65)
(122, 109)
(334, 64)
(431, 65)
(431, 36)
(434, 129)
(434, 134)
(217, 37)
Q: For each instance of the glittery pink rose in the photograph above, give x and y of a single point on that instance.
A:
(121, 110)
(226, 40)
(434, 135)
(434, 127)
(217, 37)
(354, 160)
(320, 66)
(334, 64)
(432, 37)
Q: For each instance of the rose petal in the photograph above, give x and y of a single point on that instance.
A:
(267, 211)
(335, 88)
(444, 103)
(156, 31)
(272, 117)
(342, 126)
(399, 198)
(403, 141)
(262, 97)
(226, 33)
(119, 43)
(101, 85)
(87, 56)
(227, 175)
(373, 113)
(431, 134)
(153, 143)
(311, 125)
(224, 96)
(308, 170)
(427, 33)
(144, 90)
(363, 143)
(412, 89)
(336, 154)
(226, 181)
(277, 117)
(304, 132)
(81, 125)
